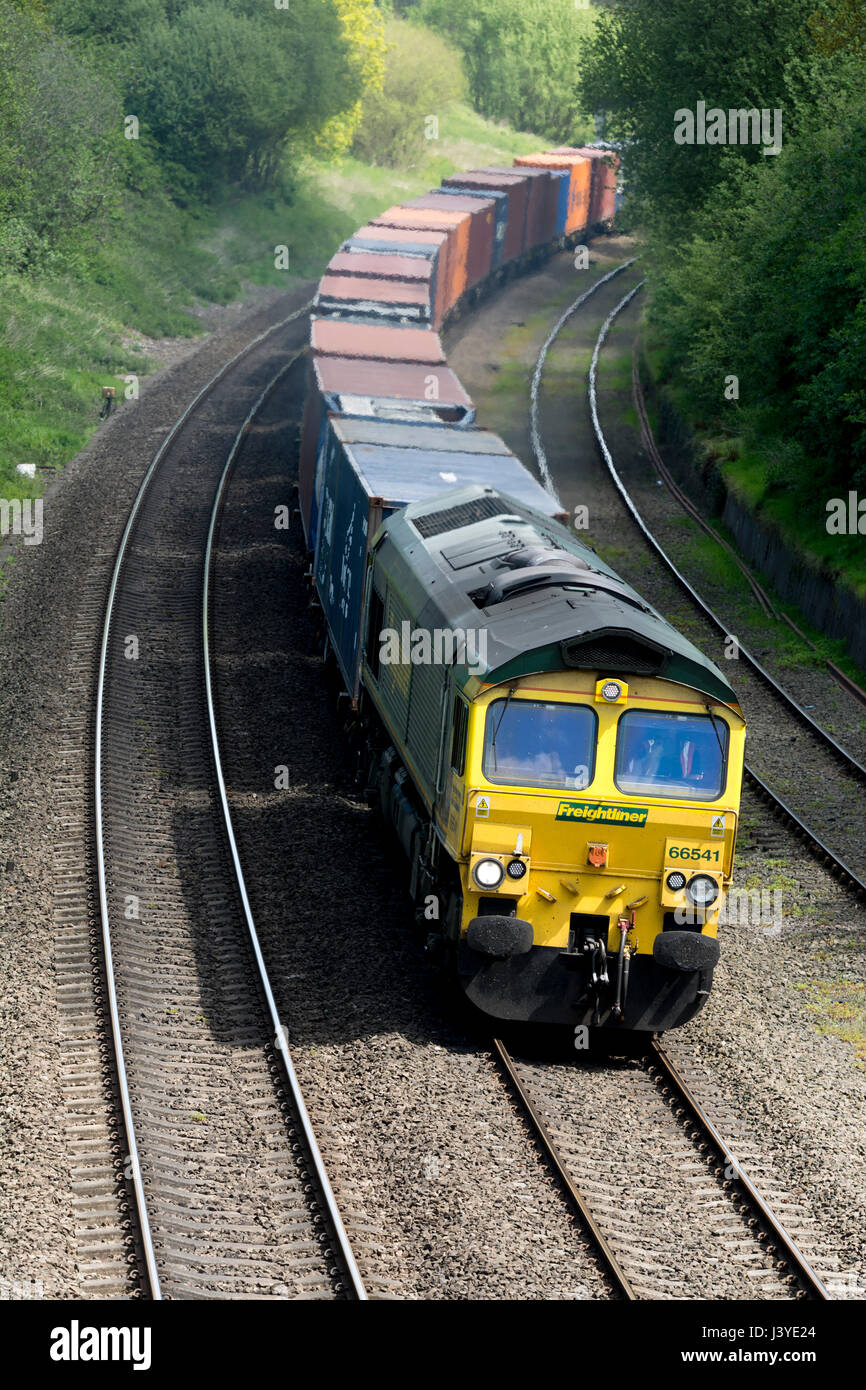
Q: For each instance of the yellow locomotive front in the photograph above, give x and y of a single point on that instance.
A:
(566, 784)
(594, 822)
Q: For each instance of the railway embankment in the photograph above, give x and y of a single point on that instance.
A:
(827, 598)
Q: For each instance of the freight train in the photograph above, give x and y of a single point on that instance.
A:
(560, 766)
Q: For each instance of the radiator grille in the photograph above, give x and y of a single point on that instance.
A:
(614, 653)
(451, 518)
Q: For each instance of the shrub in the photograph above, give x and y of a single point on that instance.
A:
(422, 74)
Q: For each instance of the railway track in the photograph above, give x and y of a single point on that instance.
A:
(669, 1206)
(228, 1195)
(838, 759)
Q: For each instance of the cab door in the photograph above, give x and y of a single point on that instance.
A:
(452, 777)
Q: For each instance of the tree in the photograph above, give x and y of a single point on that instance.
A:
(228, 87)
(422, 74)
(645, 61)
(521, 59)
(60, 143)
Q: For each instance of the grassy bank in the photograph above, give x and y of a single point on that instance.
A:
(757, 472)
(63, 338)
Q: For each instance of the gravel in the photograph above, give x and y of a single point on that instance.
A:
(49, 615)
(768, 1049)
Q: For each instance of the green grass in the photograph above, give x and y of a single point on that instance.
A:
(63, 338)
(839, 1009)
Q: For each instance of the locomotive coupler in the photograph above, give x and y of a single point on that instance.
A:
(595, 952)
(623, 963)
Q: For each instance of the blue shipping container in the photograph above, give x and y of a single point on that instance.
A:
(361, 486)
(436, 438)
(563, 179)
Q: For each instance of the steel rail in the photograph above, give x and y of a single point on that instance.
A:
(534, 431)
(839, 676)
(751, 660)
(685, 502)
(576, 1198)
(114, 1013)
(674, 1078)
(280, 1032)
(804, 830)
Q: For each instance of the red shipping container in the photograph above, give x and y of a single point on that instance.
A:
(456, 225)
(442, 240)
(602, 203)
(415, 383)
(482, 229)
(389, 342)
(516, 184)
(380, 267)
(580, 173)
(359, 293)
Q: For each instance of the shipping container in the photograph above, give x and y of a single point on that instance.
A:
(364, 483)
(579, 169)
(602, 203)
(437, 438)
(481, 233)
(362, 338)
(500, 225)
(412, 240)
(389, 299)
(456, 226)
(540, 222)
(515, 184)
(356, 385)
(381, 266)
(383, 245)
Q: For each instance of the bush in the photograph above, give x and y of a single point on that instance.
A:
(225, 89)
(774, 292)
(521, 59)
(422, 74)
(60, 146)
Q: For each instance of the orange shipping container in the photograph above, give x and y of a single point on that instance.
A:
(580, 182)
(603, 200)
(456, 225)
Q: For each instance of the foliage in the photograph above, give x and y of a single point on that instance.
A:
(772, 289)
(644, 61)
(521, 59)
(363, 29)
(225, 89)
(60, 144)
(422, 75)
(843, 27)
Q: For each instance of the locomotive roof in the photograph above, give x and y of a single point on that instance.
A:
(476, 559)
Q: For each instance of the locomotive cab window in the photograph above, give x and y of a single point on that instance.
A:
(667, 754)
(535, 743)
(375, 621)
(458, 740)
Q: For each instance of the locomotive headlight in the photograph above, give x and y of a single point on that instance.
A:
(488, 873)
(516, 869)
(611, 690)
(702, 890)
(675, 881)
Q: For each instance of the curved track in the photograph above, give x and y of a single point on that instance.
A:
(230, 1191)
(839, 757)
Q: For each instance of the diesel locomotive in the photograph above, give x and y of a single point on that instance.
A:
(564, 780)
(560, 766)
